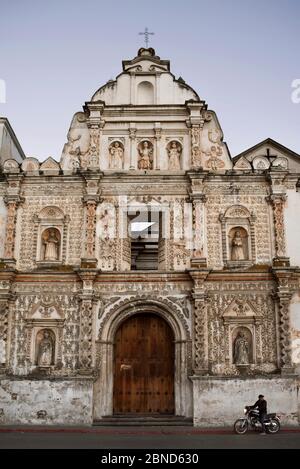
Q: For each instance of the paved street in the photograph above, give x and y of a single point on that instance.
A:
(138, 437)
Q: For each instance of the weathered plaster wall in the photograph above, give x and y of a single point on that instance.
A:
(26, 401)
(219, 402)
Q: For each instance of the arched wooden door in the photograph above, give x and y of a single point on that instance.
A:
(144, 366)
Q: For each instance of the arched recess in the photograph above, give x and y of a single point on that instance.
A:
(113, 317)
(238, 218)
(145, 93)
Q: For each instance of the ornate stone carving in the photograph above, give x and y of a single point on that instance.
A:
(201, 336)
(278, 202)
(90, 229)
(174, 152)
(51, 244)
(86, 330)
(45, 348)
(116, 155)
(195, 147)
(284, 298)
(94, 146)
(3, 332)
(9, 245)
(239, 244)
(241, 348)
(145, 151)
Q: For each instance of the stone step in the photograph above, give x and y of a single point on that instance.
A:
(147, 421)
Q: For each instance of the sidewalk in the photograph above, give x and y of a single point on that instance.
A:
(155, 430)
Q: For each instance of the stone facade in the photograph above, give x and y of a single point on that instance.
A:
(227, 276)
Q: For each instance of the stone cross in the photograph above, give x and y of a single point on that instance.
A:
(146, 33)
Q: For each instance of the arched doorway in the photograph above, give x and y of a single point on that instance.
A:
(144, 357)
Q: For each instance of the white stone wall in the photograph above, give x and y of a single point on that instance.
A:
(292, 226)
(219, 402)
(46, 402)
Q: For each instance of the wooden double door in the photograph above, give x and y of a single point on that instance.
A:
(144, 366)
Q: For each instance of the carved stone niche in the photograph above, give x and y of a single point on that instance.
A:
(238, 237)
(116, 154)
(44, 336)
(50, 236)
(242, 317)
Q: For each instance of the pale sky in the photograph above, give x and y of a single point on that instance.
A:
(241, 56)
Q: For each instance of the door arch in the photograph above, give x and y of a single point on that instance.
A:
(144, 357)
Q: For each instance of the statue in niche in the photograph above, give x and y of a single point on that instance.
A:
(116, 153)
(174, 152)
(145, 156)
(51, 242)
(241, 350)
(237, 247)
(45, 353)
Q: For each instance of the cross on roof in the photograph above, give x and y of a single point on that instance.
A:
(146, 33)
(268, 155)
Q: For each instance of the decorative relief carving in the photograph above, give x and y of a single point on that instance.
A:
(94, 146)
(242, 347)
(3, 332)
(278, 202)
(90, 228)
(195, 147)
(9, 246)
(45, 348)
(258, 329)
(51, 244)
(200, 337)
(116, 155)
(145, 151)
(174, 152)
(86, 334)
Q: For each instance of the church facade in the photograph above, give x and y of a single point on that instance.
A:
(148, 273)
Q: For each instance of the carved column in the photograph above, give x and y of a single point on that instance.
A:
(90, 200)
(90, 232)
(94, 145)
(86, 331)
(200, 323)
(3, 333)
(198, 202)
(195, 147)
(195, 123)
(9, 243)
(87, 320)
(285, 339)
(132, 137)
(278, 202)
(200, 335)
(157, 131)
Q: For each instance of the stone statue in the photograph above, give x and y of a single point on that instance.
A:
(116, 156)
(78, 142)
(241, 350)
(145, 156)
(51, 242)
(174, 155)
(45, 350)
(237, 247)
